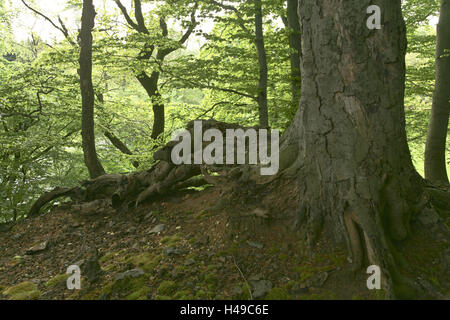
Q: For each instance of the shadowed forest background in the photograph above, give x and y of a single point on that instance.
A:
(213, 75)
(156, 67)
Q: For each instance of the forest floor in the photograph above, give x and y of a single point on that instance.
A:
(196, 245)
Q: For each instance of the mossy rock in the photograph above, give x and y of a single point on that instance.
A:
(241, 292)
(59, 279)
(131, 288)
(306, 271)
(107, 257)
(23, 291)
(167, 287)
(200, 295)
(277, 294)
(146, 261)
(171, 241)
(183, 295)
(113, 261)
(141, 294)
(211, 281)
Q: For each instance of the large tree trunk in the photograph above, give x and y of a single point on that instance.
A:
(87, 91)
(355, 175)
(295, 44)
(435, 163)
(263, 69)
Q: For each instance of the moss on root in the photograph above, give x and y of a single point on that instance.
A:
(57, 280)
(23, 291)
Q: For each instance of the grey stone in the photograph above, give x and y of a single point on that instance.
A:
(38, 248)
(149, 215)
(189, 262)
(261, 288)
(75, 225)
(171, 251)
(133, 273)
(18, 236)
(255, 244)
(159, 228)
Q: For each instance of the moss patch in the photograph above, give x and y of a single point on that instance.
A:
(277, 294)
(141, 294)
(145, 261)
(171, 241)
(167, 288)
(23, 291)
(56, 280)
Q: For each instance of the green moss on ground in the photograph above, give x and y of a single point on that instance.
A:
(146, 261)
(23, 291)
(58, 279)
(278, 294)
(171, 241)
(167, 288)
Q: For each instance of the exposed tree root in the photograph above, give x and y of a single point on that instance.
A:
(56, 193)
(133, 189)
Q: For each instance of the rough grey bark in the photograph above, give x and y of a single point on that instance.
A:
(263, 69)
(296, 46)
(435, 162)
(87, 91)
(347, 144)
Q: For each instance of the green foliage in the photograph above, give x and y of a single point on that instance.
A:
(213, 75)
(420, 73)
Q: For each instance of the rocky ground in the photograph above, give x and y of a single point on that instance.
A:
(195, 245)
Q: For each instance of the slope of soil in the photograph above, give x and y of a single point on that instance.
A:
(210, 245)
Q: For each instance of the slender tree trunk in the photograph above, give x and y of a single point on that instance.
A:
(296, 46)
(150, 85)
(263, 69)
(356, 180)
(435, 163)
(87, 91)
(120, 145)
